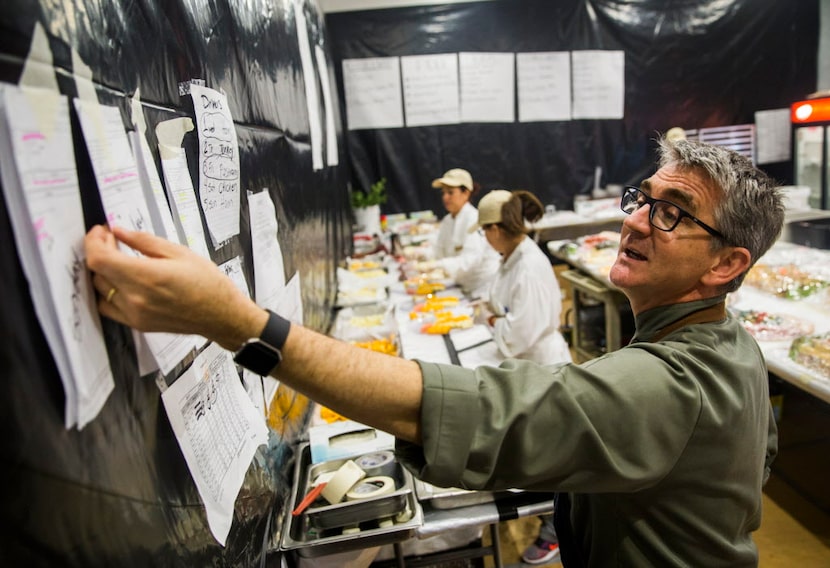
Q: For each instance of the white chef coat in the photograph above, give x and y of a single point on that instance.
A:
(526, 295)
(466, 257)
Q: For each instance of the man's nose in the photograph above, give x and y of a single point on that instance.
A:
(639, 220)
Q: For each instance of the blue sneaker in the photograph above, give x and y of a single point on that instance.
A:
(541, 552)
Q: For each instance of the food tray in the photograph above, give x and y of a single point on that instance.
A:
(320, 529)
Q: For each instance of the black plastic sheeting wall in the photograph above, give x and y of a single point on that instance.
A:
(118, 493)
(694, 64)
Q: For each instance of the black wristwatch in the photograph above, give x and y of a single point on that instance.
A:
(262, 354)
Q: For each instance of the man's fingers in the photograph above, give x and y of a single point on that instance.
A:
(147, 243)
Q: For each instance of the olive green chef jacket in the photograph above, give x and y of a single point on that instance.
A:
(662, 446)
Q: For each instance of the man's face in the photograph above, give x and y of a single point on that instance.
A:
(454, 198)
(655, 267)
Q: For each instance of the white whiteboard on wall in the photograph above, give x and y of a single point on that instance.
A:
(544, 84)
(373, 93)
(430, 89)
(487, 86)
(598, 83)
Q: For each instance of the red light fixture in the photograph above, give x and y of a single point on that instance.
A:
(810, 111)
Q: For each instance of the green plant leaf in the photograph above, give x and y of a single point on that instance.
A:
(376, 195)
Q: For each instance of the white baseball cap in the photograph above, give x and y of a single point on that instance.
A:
(489, 208)
(455, 177)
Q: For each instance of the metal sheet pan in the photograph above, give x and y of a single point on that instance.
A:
(319, 531)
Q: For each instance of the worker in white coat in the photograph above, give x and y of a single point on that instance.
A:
(462, 254)
(525, 303)
(524, 307)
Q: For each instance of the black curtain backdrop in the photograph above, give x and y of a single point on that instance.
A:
(694, 64)
(118, 493)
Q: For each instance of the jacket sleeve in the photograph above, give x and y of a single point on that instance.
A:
(528, 426)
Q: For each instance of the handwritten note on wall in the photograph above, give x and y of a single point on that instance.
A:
(114, 165)
(37, 164)
(269, 271)
(430, 89)
(179, 185)
(544, 85)
(373, 93)
(598, 83)
(218, 163)
(487, 87)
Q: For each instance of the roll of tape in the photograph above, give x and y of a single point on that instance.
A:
(343, 479)
(404, 516)
(386, 522)
(371, 487)
(377, 463)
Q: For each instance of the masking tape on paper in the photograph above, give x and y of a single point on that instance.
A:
(344, 479)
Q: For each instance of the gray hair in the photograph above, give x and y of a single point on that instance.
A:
(751, 212)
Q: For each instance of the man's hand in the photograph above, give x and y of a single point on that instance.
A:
(170, 288)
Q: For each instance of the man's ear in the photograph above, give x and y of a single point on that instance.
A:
(728, 264)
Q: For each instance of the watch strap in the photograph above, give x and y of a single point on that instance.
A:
(276, 330)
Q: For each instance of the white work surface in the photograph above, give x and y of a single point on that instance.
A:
(776, 353)
(473, 347)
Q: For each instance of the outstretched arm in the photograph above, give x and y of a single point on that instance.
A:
(172, 289)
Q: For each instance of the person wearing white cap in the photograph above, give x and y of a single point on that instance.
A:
(465, 257)
(525, 302)
(525, 306)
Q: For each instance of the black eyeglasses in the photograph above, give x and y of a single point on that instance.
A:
(663, 215)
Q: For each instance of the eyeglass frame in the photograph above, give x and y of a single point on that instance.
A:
(651, 202)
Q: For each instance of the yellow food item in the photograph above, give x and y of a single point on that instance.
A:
(363, 265)
(385, 345)
(423, 288)
(330, 416)
(436, 304)
(446, 321)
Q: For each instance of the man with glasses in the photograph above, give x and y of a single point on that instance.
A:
(659, 450)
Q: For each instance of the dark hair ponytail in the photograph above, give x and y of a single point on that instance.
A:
(523, 206)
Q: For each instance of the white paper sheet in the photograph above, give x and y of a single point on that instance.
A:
(269, 272)
(463, 339)
(486, 354)
(310, 80)
(255, 391)
(598, 83)
(218, 430)
(41, 187)
(148, 175)
(373, 93)
(114, 166)
(332, 158)
(430, 89)
(291, 304)
(544, 85)
(218, 163)
(180, 192)
(125, 205)
(773, 135)
(487, 86)
(233, 270)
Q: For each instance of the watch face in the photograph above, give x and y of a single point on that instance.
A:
(258, 356)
